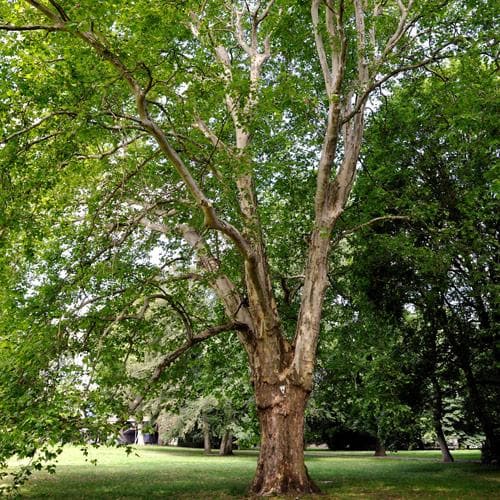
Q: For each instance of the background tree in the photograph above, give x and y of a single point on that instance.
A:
(211, 381)
(144, 135)
(442, 262)
(367, 374)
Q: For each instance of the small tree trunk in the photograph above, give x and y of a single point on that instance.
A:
(226, 444)
(281, 469)
(446, 455)
(438, 412)
(139, 440)
(379, 449)
(490, 451)
(207, 447)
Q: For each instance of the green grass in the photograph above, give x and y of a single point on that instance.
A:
(177, 473)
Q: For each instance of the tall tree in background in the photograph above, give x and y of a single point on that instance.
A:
(137, 136)
(442, 262)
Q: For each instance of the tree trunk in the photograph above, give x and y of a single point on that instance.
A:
(139, 440)
(226, 444)
(281, 469)
(379, 449)
(438, 412)
(207, 447)
(446, 455)
(490, 451)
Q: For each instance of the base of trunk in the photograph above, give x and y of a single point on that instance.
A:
(446, 456)
(283, 484)
(281, 469)
(379, 450)
(226, 444)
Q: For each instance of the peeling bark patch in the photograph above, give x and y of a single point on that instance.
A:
(281, 469)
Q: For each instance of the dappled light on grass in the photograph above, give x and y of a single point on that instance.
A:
(164, 472)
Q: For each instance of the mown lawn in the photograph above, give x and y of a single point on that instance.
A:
(171, 473)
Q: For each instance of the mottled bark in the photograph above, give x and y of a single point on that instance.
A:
(282, 371)
(281, 468)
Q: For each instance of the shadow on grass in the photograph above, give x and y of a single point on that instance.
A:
(174, 451)
(183, 473)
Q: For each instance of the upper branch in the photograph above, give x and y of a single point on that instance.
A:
(42, 8)
(34, 125)
(265, 11)
(401, 28)
(361, 100)
(320, 46)
(212, 220)
(382, 218)
(31, 27)
(363, 73)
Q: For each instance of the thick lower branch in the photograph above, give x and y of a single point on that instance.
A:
(221, 284)
(309, 320)
(190, 343)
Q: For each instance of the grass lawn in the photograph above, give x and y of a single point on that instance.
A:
(171, 473)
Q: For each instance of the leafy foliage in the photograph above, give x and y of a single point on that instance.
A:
(159, 179)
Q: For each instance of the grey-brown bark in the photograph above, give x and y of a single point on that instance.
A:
(226, 444)
(446, 455)
(437, 415)
(207, 446)
(281, 465)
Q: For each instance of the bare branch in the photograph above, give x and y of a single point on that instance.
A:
(363, 73)
(121, 185)
(31, 27)
(348, 232)
(400, 30)
(142, 220)
(361, 100)
(104, 154)
(240, 37)
(196, 24)
(189, 277)
(222, 56)
(222, 285)
(45, 10)
(59, 9)
(265, 12)
(154, 226)
(121, 317)
(209, 134)
(178, 308)
(320, 47)
(35, 124)
(38, 140)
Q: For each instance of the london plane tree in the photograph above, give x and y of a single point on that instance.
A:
(151, 150)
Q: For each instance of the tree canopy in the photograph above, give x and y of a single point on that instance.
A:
(175, 171)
